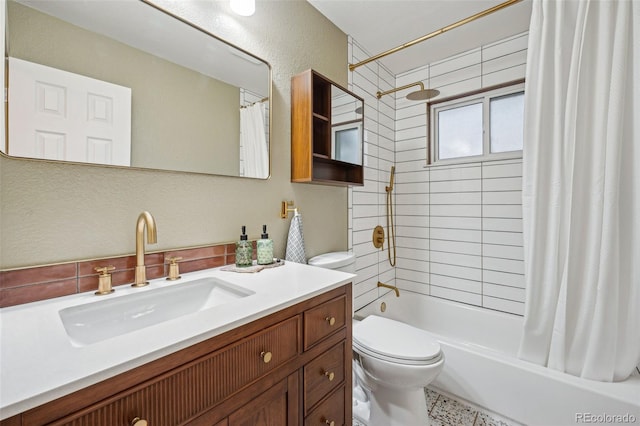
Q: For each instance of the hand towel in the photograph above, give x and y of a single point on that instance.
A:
(295, 241)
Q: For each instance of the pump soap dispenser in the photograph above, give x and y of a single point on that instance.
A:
(265, 248)
(244, 250)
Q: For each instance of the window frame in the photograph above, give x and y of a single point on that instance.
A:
(483, 96)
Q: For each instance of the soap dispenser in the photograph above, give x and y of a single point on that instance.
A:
(244, 250)
(265, 248)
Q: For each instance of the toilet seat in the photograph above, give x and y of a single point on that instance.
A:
(394, 341)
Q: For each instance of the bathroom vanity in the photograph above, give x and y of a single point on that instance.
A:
(279, 354)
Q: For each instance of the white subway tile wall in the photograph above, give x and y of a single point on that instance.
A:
(367, 203)
(458, 227)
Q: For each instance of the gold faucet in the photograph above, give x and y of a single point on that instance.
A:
(392, 287)
(147, 219)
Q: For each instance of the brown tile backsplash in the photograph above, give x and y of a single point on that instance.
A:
(33, 293)
(46, 282)
(198, 253)
(40, 274)
(200, 264)
(87, 268)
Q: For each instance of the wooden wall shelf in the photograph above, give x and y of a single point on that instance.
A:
(320, 109)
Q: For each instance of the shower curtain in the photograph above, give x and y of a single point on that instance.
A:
(581, 188)
(253, 141)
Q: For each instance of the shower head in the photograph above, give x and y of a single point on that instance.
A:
(423, 94)
(417, 95)
(391, 176)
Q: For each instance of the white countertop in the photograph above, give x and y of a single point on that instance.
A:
(39, 363)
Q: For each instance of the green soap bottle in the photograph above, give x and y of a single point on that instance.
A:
(244, 250)
(265, 248)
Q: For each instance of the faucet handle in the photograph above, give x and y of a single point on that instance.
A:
(104, 270)
(174, 269)
(104, 280)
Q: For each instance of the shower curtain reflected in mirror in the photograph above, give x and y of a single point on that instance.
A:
(253, 143)
(581, 188)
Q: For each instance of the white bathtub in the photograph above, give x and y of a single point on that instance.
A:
(481, 367)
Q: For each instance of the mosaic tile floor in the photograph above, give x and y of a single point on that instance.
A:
(445, 411)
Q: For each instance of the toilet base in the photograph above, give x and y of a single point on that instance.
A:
(398, 407)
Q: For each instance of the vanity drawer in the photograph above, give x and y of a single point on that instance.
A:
(322, 375)
(185, 392)
(330, 411)
(323, 320)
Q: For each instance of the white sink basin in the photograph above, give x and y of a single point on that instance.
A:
(97, 321)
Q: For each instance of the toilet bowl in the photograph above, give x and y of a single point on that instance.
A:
(398, 362)
(394, 363)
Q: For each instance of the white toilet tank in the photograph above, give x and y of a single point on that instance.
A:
(338, 260)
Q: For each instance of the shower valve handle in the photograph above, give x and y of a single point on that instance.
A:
(378, 236)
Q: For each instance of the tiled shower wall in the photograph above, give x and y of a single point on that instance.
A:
(459, 227)
(462, 233)
(367, 203)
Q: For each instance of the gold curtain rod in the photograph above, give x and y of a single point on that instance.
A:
(256, 102)
(435, 33)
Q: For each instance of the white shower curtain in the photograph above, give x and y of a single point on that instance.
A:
(253, 141)
(581, 188)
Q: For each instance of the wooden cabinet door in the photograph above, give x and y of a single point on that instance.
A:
(278, 406)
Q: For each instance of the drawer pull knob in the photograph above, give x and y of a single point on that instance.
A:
(330, 423)
(330, 375)
(137, 421)
(266, 356)
(330, 320)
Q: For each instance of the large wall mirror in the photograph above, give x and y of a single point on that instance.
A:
(125, 83)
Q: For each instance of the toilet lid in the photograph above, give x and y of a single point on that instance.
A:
(386, 338)
(334, 260)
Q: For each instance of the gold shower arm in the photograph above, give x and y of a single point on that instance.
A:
(406, 86)
(435, 33)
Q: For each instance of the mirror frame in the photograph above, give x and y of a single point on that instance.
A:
(161, 9)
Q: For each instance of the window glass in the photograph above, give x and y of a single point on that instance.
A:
(507, 122)
(460, 131)
(347, 145)
(478, 126)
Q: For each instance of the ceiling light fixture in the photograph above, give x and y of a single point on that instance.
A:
(243, 7)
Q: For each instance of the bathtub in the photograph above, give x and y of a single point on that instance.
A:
(481, 367)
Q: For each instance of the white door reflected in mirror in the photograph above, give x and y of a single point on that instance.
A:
(58, 115)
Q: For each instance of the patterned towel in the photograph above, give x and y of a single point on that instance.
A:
(295, 241)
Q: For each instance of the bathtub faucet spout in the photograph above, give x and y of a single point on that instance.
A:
(392, 287)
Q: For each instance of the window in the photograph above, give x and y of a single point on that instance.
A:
(485, 125)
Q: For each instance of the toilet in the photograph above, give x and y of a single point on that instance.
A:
(394, 362)
(398, 361)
